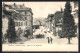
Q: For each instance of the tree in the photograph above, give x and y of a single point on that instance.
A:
(68, 23)
(11, 34)
(27, 33)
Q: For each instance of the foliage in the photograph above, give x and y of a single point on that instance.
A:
(60, 34)
(68, 22)
(27, 33)
(11, 34)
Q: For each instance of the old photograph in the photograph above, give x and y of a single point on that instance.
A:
(40, 26)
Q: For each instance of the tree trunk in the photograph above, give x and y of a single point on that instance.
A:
(68, 40)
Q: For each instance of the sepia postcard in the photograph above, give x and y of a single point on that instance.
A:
(40, 26)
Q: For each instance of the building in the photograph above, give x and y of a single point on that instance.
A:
(22, 16)
(54, 22)
(75, 11)
(36, 23)
(57, 22)
(48, 21)
(26, 20)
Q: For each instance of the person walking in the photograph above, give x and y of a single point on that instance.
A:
(48, 36)
(48, 40)
(51, 40)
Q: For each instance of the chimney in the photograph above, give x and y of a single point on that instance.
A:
(23, 4)
(14, 4)
(61, 10)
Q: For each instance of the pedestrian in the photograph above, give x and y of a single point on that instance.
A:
(48, 37)
(51, 40)
(48, 40)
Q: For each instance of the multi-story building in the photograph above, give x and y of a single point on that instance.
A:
(57, 22)
(36, 23)
(22, 16)
(49, 21)
(46, 22)
(75, 11)
(25, 19)
(54, 22)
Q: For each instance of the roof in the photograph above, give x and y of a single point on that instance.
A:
(15, 11)
(18, 8)
(50, 17)
(59, 12)
(58, 15)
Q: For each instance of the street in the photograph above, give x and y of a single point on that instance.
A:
(56, 40)
(58, 44)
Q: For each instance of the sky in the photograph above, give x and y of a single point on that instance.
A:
(42, 9)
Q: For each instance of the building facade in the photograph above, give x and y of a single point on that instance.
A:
(75, 13)
(49, 22)
(54, 22)
(57, 21)
(22, 16)
(26, 18)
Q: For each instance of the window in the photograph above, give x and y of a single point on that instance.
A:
(25, 18)
(75, 4)
(15, 23)
(26, 23)
(75, 15)
(7, 8)
(21, 23)
(25, 13)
